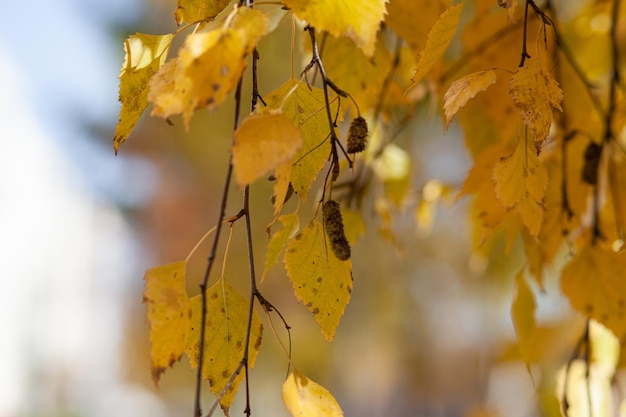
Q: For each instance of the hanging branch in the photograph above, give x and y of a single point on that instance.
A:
(210, 261)
(316, 61)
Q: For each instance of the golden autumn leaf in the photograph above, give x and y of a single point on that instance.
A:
(358, 21)
(197, 10)
(304, 107)
(463, 90)
(523, 316)
(227, 317)
(261, 143)
(521, 182)
(193, 80)
(362, 76)
(595, 285)
(320, 280)
(306, 398)
(282, 190)
(439, 37)
(145, 54)
(291, 224)
(535, 92)
(402, 15)
(169, 315)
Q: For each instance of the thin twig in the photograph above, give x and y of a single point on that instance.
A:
(524, 51)
(253, 292)
(210, 261)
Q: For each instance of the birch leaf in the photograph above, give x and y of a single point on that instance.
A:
(306, 398)
(320, 280)
(438, 40)
(197, 10)
(168, 314)
(304, 107)
(145, 54)
(261, 143)
(521, 182)
(357, 20)
(535, 93)
(465, 89)
(291, 224)
(225, 330)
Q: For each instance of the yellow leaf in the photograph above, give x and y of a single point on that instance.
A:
(521, 182)
(196, 10)
(291, 224)
(358, 21)
(262, 142)
(145, 54)
(402, 15)
(523, 316)
(225, 330)
(169, 90)
(304, 106)
(194, 80)
(306, 398)
(438, 40)
(281, 189)
(361, 76)
(320, 280)
(464, 89)
(168, 312)
(595, 285)
(535, 92)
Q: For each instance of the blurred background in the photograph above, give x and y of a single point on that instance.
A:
(427, 332)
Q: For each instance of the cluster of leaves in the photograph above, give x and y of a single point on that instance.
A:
(543, 122)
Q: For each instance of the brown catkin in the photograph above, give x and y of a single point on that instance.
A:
(357, 135)
(333, 224)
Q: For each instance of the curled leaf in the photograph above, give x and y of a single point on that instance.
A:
(438, 40)
(145, 54)
(463, 90)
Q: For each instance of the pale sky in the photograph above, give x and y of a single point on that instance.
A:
(67, 253)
